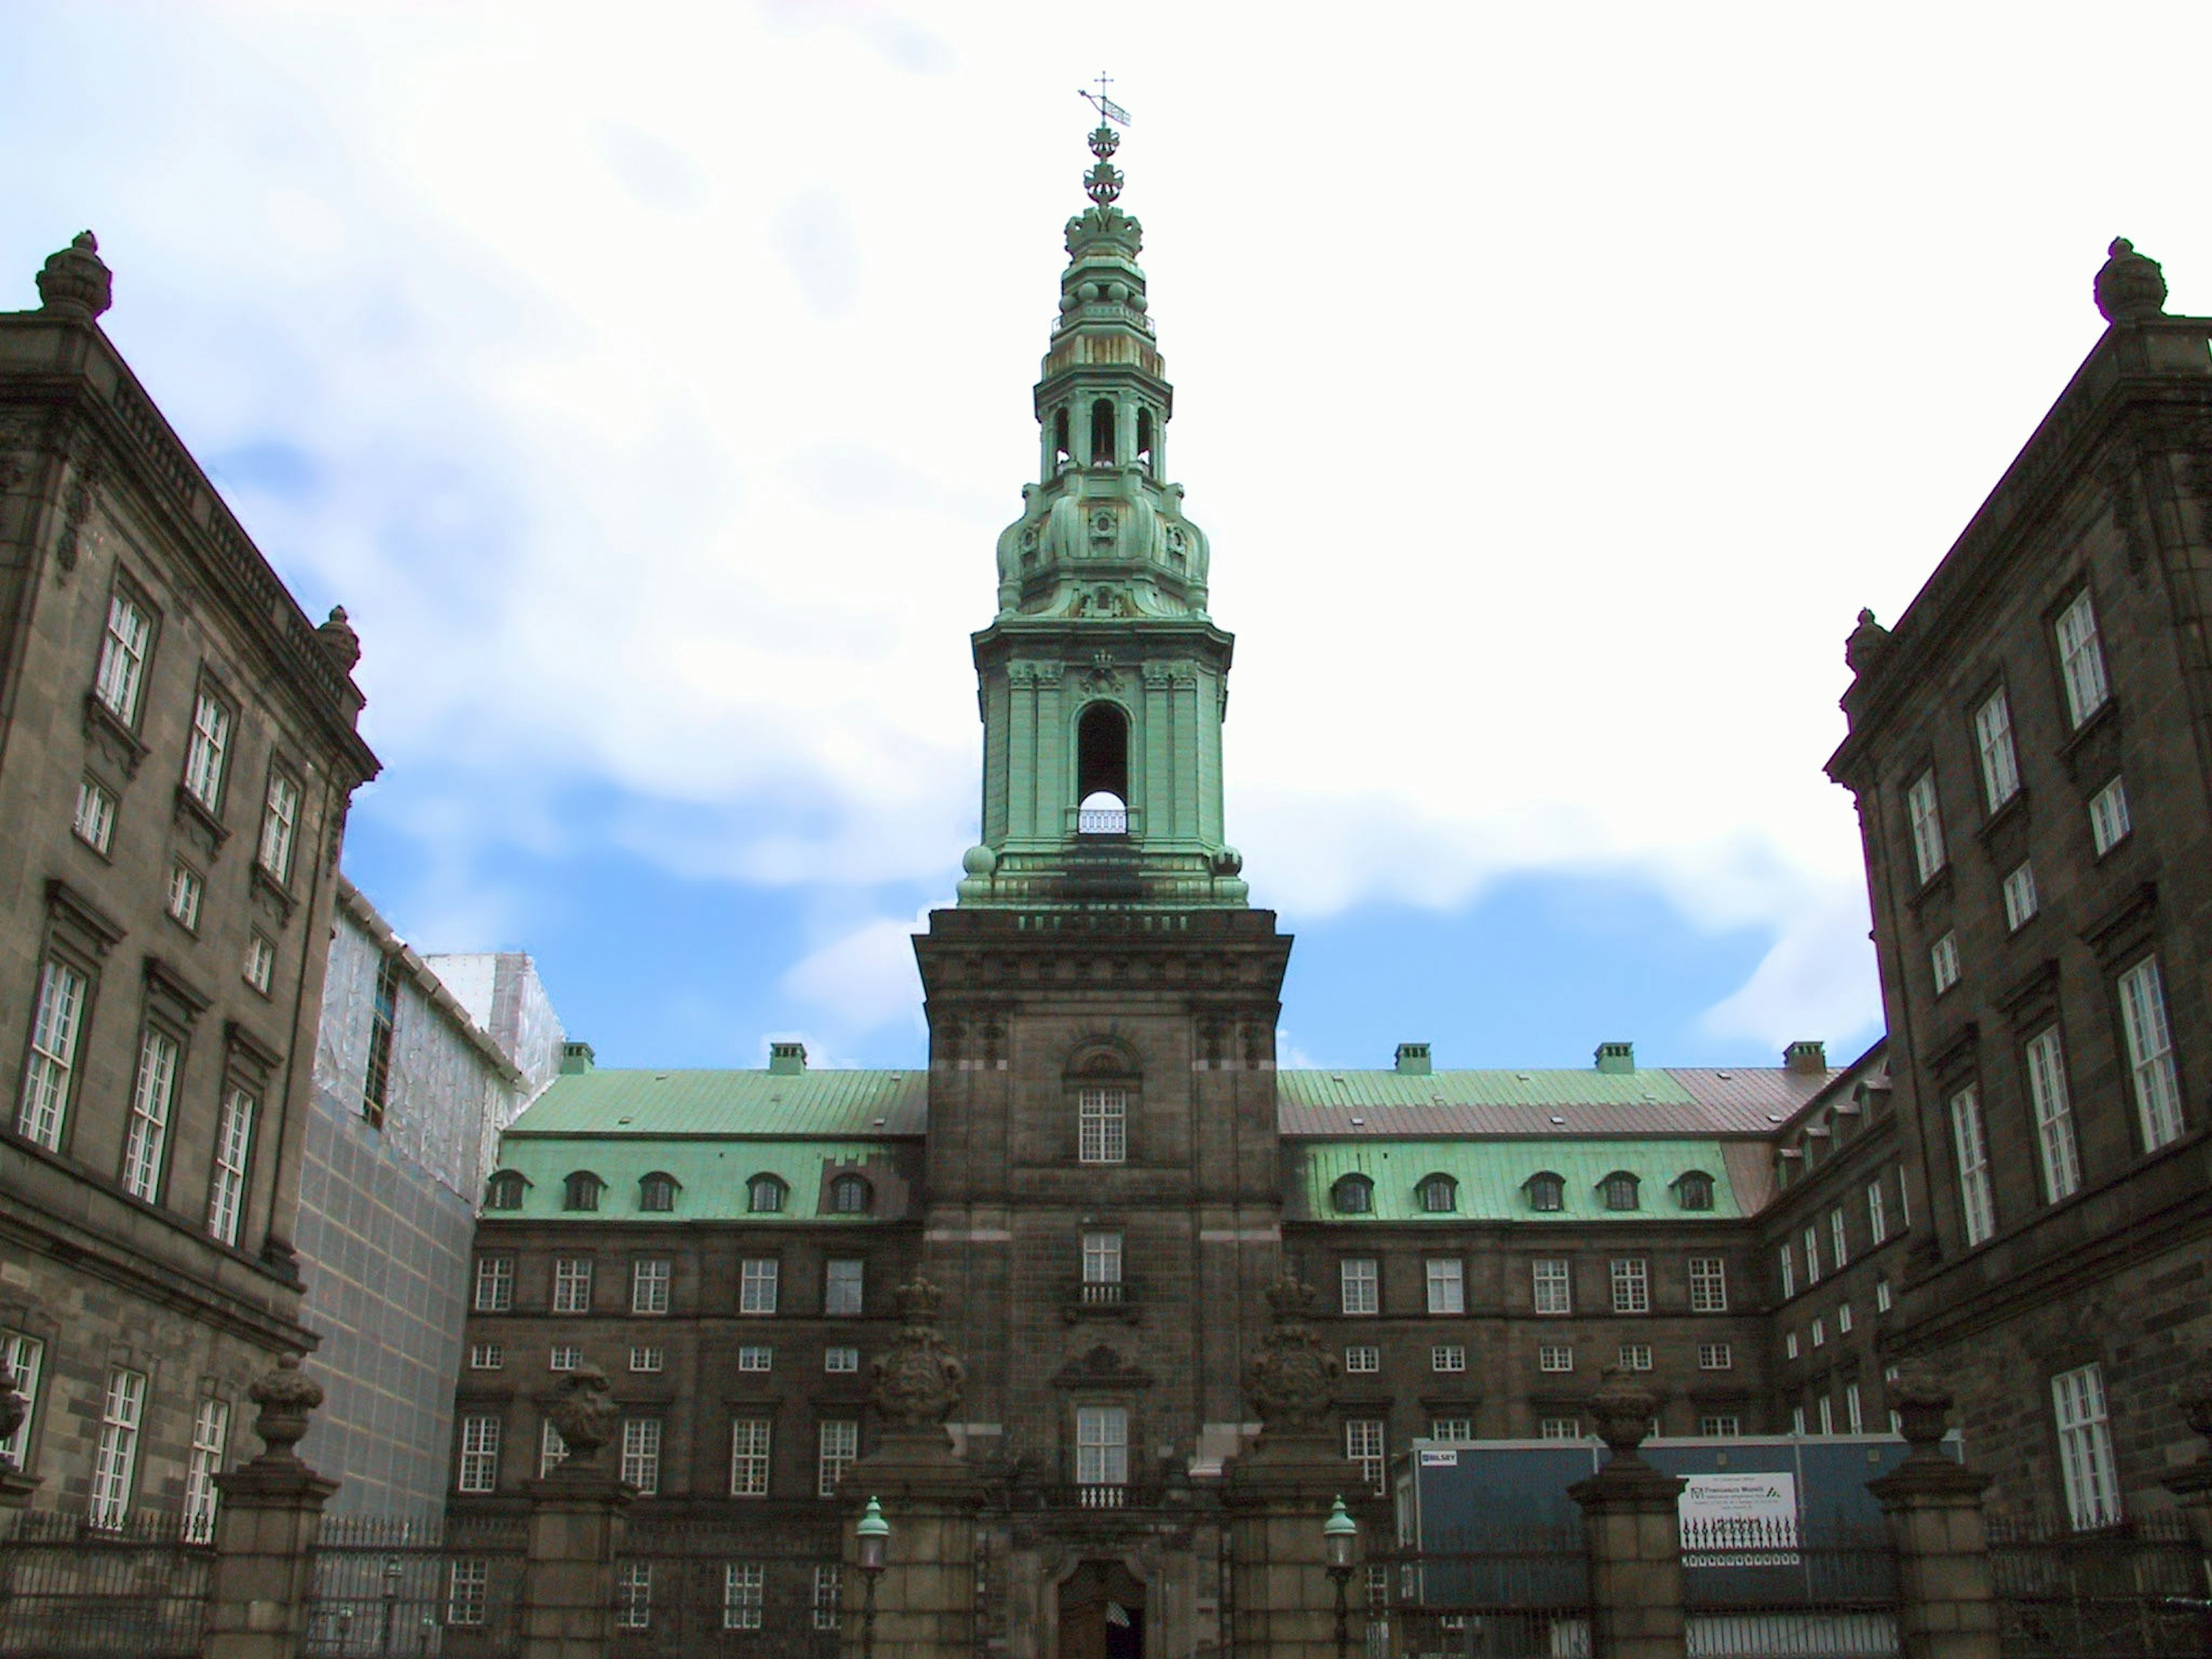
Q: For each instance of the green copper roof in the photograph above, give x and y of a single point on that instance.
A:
(1490, 1173)
(1542, 1088)
(810, 1104)
(713, 1177)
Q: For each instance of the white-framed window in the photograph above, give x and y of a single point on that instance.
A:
(839, 1444)
(51, 1067)
(1840, 1248)
(1446, 1281)
(649, 1285)
(152, 1092)
(2085, 1447)
(634, 1596)
(1556, 1357)
(1716, 1357)
(2020, 901)
(748, 1457)
(572, 1284)
(1884, 1297)
(1631, 1284)
(2056, 1146)
(233, 1154)
(841, 1359)
(1708, 1284)
(1821, 1332)
(1903, 1201)
(2109, 821)
(2081, 660)
(1102, 1126)
(185, 889)
(1877, 1212)
(1102, 1446)
(479, 1470)
(1358, 1287)
(1789, 1273)
(1925, 814)
(1798, 1421)
(828, 1596)
(1789, 1345)
(2150, 1055)
(842, 1284)
(1634, 1357)
(1943, 962)
(1451, 1428)
(495, 1284)
(1552, 1285)
(25, 1356)
(1448, 1357)
(259, 967)
(1854, 1413)
(468, 1590)
(94, 821)
(1720, 1426)
(280, 828)
(565, 1356)
(1362, 1359)
(1842, 1318)
(1827, 1415)
(640, 1454)
(1976, 1202)
(552, 1449)
(122, 657)
(1363, 1444)
(1559, 1428)
(210, 1435)
(1102, 1258)
(647, 1357)
(207, 750)
(1993, 738)
(487, 1356)
(753, 1357)
(744, 1595)
(1811, 1257)
(757, 1285)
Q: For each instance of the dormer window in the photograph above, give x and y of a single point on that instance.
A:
(1352, 1195)
(1546, 1192)
(1438, 1194)
(850, 1194)
(1618, 1190)
(765, 1194)
(657, 1192)
(581, 1191)
(504, 1190)
(1693, 1190)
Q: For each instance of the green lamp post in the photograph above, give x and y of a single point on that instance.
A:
(873, 1534)
(1339, 1537)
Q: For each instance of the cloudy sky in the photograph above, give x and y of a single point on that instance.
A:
(651, 382)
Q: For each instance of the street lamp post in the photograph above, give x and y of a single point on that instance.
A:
(1339, 1533)
(874, 1534)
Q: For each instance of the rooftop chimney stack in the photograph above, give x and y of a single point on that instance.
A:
(1806, 1055)
(1616, 1058)
(1413, 1059)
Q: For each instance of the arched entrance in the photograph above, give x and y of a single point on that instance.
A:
(1101, 1613)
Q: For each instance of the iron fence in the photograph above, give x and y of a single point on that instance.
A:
(1523, 1594)
(68, 1588)
(1775, 1588)
(2129, 1591)
(704, 1589)
(441, 1588)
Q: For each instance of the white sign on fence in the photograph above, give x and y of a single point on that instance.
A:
(1739, 1520)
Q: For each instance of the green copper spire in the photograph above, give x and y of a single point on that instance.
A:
(1102, 679)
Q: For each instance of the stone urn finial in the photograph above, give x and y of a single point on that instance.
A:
(340, 641)
(1622, 1409)
(14, 1409)
(2129, 286)
(1292, 1378)
(1923, 1405)
(1865, 644)
(287, 1396)
(583, 1414)
(77, 282)
(920, 1381)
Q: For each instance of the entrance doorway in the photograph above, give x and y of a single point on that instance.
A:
(1101, 1613)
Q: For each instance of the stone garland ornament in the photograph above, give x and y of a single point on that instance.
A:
(286, 1397)
(583, 1414)
(918, 1385)
(1291, 1379)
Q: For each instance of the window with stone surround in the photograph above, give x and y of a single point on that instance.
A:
(2081, 660)
(1993, 743)
(2151, 1073)
(2085, 1448)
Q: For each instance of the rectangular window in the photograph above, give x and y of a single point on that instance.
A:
(1811, 1257)
(1788, 1273)
(1854, 1413)
(51, 1067)
(647, 1357)
(2081, 660)
(1877, 1211)
(1716, 1357)
(649, 1285)
(841, 1288)
(495, 1284)
(552, 1449)
(1634, 1357)
(1926, 815)
(1361, 1359)
(1720, 1425)
(1708, 1284)
(1631, 1284)
(210, 1434)
(744, 1595)
(749, 1449)
(1827, 1415)
(1102, 1258)
(1553, 1287)
(123, 658)
(148, 1136)
(1448, 1357)
(565, 1356)
(1789, 1345)
(280, 827)
(233, 1154)
(1555, 1356)
(756, 1281)
(2109, 821)
(828, 1596)
(1561, 1428)
(1819, 1333)
(383, 1016)
(841, 1359)
(839, 1444)
(2020, 902)
(1364, 1445)
(2150, 1055)
(634, 1596)
(206, 750)
(185, 888)
(260, 965)
(486, 1356)
(1358, 1287)
(572, 1284)
(1840, 1248)
(1993, 738)
(753, 1358)
(1844, 1318)
(24, 1356)
(1976, 1204)
(1451, 1428)
(640, 1454)
(1883, 1298)
(1943, 962)
(1447, 1286)
(479, 1454)
(1903, 1201)
(1102, 1446)
(95, 818)
(1102, 1126)
(1797, 1420)
(2085, 1448)
(468, 1590)
(2055, 1143)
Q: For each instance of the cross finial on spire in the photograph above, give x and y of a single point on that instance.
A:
(1107, 108)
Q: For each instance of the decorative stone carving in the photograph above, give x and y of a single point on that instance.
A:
(2129, 286)
(1923, 1405)
(286, 1396)
(340, 641)
(1290, 1382)
(919, 1383)
(76, 503)
(76, 282)
(1866, 643)
(1622, 1409)
(583, 1414)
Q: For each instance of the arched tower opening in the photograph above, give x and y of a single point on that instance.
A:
(1144, 438)
(1061, 449)
(1102, 770)
(1101, 433)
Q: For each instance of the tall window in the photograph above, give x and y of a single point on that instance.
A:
(748, 1457)
(185, 889)
(259, 967)
(2109, 821)
(649, 1285)
(479, 1470)
(383, 1015)
(25, 1356)
(640, 1454)
(495, 1284)
(234, 1150)
(1812, 1255)
(94, 820)
(2081, 660)
(2020, 900)
(468, 1590)
(2085, 1447)
(1854, 1412)
(1102, 1259)
(1943, 962)
(1631, 1284)
(1102, 1117)
(1447, 1286)
(280, 828)
(1877, 1211)
(115, 1464)
(207, 750)
(2055, 1143)
(552, 1449)
(2150, 1055)
(1788, 1273)
(1977, 1206)
(744, 1595)
(1553, 1287)
(210, 1433)
(1993, 738)
(148, 1136)
(1102, 1446)
(1839, 1248)
(757, 1285)
(1925, 815)
(572, 1284)
(123, 658)
(51, 1067)
(1358, 1284)
(1364, 1445)
(842, 1285)
(839, 1444)
(1708, 1284)
(829, 1594)
(634, 1596)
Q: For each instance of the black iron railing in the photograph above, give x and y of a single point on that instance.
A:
(68, 1588)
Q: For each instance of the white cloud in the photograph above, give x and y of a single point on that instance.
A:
(864, 979)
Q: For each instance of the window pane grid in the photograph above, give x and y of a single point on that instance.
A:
(234, 1145)
(2054, 1118)
(839, 1443)
(115, 1464)
(204, 753)
(749, 1457)
(572, 1284)
(495, 1284)
(1102, 1446)
(48, 1075)
(757, 1285)
(123, 658)
(744, 1595)
(1977, 1206)
(25, 1356)
(479, 1454)
(1102, 1126)
(94, 820)
(1364, 1445)
(2000, 766)
(2085, 1445)
(2081, 660)
(648, 1288)
(1447, 1287)
(1926, 818)
(2150, 1055)
(1631, 1284)
(279, 825)
(150, 1098)
(1552, 1286)
(640, 1454)
(2109, 821)
(1708, 1284)
(210, 1433)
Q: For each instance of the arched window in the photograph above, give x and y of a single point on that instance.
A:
(1102, 770)
(1693, 1190)
(1061, 449)
(504, 1190)
(1101, 433)
(581, 1191)
(657, 1192)
(1352, 1195)
(1145, 437)
(850, 1194)
(765, 1194)
(1438, 1193)
(1618, 1190)
(1546, 1191)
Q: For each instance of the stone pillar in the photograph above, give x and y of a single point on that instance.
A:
(2192, 1484)
(1280, 1493)
(1632, 1532)
(1946, 1608)
(575, 1531)
(265, 1528)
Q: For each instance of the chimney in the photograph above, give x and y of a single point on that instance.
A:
(787, 1059)
(1616, 1057)
(1805, 1056)
(576, 1059)
(1413, 1059)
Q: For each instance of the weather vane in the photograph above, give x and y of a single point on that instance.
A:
(1107, 108)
